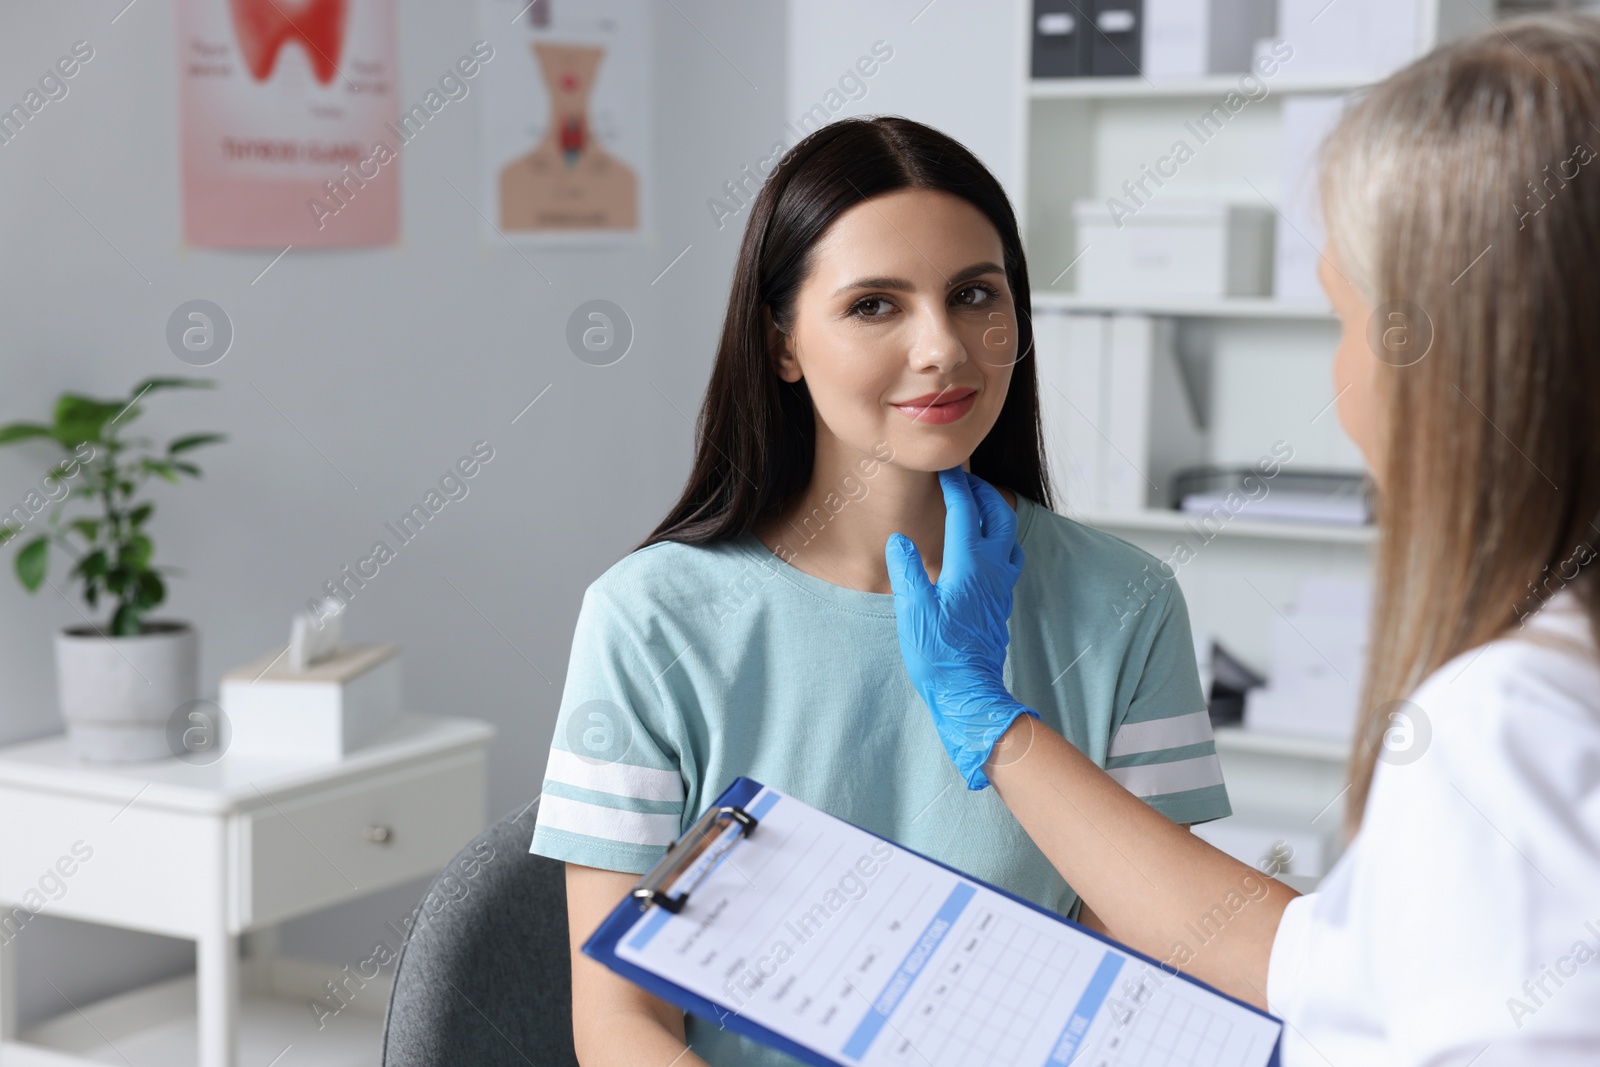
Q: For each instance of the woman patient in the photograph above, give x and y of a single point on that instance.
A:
(877, 332)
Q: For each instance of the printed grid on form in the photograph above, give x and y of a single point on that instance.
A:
(985, 1004)
(1157, 1029)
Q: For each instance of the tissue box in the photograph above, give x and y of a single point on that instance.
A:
(321, 714)
(1205, 249)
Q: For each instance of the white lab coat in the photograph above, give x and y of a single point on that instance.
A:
(1476, 870)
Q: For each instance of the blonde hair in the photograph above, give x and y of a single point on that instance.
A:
(1464, 192)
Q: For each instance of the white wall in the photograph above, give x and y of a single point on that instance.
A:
(954, 67)
(384, 365)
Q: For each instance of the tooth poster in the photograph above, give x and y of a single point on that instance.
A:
(565, 120)
(287, 112)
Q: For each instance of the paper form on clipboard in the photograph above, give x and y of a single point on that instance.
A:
(814, 936)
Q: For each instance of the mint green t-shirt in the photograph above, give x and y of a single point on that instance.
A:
(694, 664)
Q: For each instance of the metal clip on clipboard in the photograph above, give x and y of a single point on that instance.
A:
(689, 849)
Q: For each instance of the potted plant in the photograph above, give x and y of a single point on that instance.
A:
(117, 684)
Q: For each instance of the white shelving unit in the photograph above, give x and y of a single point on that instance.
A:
(1263, 365)
(1140, 87)
(1233, 739)
(1156, 520)
(1238, 307)
(1261, 368)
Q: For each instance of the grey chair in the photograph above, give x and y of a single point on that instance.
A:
(484, 978)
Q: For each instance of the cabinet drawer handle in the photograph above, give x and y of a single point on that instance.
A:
(378, 835)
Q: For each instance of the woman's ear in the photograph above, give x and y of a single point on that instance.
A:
(780, 348)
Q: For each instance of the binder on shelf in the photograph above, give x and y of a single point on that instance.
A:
(1070, 348)
(1150, 415)
(1114, 37)
(805, 932)
(1058, 39)
(1119, 419)
(1152, 389)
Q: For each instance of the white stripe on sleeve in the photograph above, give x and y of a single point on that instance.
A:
(1177, 776)
(611, 824)
(1157, 734)
(618, 779)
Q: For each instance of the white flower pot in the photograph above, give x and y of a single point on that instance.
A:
(117, 693)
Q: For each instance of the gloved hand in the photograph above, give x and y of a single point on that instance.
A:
(953, 635)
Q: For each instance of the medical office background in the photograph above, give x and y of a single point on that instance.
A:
(1181, 338)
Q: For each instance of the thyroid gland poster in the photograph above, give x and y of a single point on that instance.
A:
(566, 121)
(286, 113)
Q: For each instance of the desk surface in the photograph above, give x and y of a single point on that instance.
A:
(231, 783)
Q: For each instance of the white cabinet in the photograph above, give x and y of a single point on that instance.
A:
(212, 852)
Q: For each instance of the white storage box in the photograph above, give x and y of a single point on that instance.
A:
(1193, 38)
(1201, 249)
(1307, 120)
(1364, 38)
(1319, 650)
(322, 713)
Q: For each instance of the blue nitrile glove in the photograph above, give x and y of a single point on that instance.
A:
(953, 635)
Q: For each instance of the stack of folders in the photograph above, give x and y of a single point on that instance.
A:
(1119, 417)
(1338, 498)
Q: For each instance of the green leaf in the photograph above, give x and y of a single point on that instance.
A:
(83, 418)
(88, 529)
(8, 531)
(150, 591)
(125, 622)
(32, 561)
(151, 384)
(187, 468)
(21, 431)
(140, 513)
(161, 467)
(91, 566)
(67, 470)
(195, 440)
(135, 552)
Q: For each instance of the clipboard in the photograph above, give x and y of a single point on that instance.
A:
(851, 993)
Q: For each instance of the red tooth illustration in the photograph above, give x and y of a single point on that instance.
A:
(263, 26)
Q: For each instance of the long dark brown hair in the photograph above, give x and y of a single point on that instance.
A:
(1456, 187)
(756, 433)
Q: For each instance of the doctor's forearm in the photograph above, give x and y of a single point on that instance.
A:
(1157, 887)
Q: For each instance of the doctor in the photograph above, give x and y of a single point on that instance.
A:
(1462, 924)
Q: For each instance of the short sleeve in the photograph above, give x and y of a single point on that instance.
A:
(1162, 749)
(613, 794)
(1291, 951)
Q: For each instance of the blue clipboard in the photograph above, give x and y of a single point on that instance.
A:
(698, 845)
